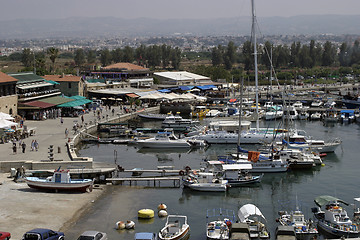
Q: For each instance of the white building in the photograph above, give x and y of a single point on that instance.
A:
(181, 78)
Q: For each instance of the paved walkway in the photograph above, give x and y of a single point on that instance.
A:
(50, 132)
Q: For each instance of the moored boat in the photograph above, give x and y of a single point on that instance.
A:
(252, 215)
(334, 220)
(164, 139)
(176, 228)
(60, 181)
(218, 223)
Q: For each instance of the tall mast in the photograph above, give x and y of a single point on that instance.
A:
(240, 112)
(255, 64)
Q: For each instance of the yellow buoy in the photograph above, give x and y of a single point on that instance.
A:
(323, 164)
(162, 206)
(145, 213)
(120, 225)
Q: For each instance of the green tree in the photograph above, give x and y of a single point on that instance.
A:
(105, 57)
(17, 56)
(247, 55)
(40, 64)
(128, 54)
(91, 56)
(117, 55)
(328, 56)
(217, 56)
(53, 55)
(343, 55)
(175, 58)
(305, 60)
(165, 55)
(355, 53)
(27, 58)
(230, 55)
(294, 54)
(140, 54)
(79, 57)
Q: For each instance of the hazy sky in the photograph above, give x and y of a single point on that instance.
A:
(164, 9)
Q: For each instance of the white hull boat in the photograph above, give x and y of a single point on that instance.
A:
(60, 181)
(220, 224)
(176, 228)
(163, 140)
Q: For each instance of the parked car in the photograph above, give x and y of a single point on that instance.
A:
(42, 234)
(5, 235)
(93, 235)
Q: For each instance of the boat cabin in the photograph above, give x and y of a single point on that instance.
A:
(60, 176)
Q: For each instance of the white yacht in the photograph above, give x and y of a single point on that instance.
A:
(205, 182)
(163, 140)
(177, 122)
(290, 112)
(274, 112)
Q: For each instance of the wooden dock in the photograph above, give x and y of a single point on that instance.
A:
(176, 180)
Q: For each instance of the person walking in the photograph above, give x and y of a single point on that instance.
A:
(61, 120)
(32, 145)
(36, 145)
(82, 119)
(66, 133)
(14, 148)
(23, 145)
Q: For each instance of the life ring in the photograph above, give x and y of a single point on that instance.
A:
(187, 168)
(181, 173)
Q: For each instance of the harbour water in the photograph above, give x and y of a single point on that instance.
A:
(339, 177)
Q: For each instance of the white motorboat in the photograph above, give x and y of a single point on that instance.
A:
(290, 113)
(218, 223)
(213, 113)
(296, 159)
(261, 163)
(205, 182)
(236, 174)
(163, 140)
(274, 112)
(153, 116)
(334, 219)
(251, 215)
(300, 141)
(303, 115)
(304, 229)
(315, 116)
(177, 122)
(299, 106)
(347, 116)
(176, 228)
(60, 181)
(317, 103)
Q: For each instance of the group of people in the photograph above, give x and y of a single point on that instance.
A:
(22, 145)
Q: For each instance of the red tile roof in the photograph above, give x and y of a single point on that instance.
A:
(61, 78)
(6, 78)
(124, 65)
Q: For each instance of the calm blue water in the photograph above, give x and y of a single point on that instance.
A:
(339, 177)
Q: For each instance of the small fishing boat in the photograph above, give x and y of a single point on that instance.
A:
(304, 229)
(315, 116)
(252, 215)
(60, 181)
(218, 223)
(176, 228)
(236, 174)
(205, 182)
(333, 219)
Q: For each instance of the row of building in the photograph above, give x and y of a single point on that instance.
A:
(26, 94)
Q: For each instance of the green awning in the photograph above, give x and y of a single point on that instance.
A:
(77, 97)
(75, 103)
(325, 199)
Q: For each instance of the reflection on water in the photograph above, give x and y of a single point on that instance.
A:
(339, 177)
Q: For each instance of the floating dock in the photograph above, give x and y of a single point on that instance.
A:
(155, 180)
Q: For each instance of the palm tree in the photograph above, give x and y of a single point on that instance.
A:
(53, 54)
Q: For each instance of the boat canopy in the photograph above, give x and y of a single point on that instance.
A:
(249, 210)
(325, 199)
(357, 199)
(231, 166)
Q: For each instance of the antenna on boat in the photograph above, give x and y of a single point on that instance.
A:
(253, 31)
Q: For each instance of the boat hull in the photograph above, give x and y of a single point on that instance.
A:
(336, 232)
(73, 186)
(206, 187)
(165, 144)
(184, 235)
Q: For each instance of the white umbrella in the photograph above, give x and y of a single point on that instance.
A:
(6, 116)
(6, 124)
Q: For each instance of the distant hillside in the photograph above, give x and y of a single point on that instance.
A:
(110, 26)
